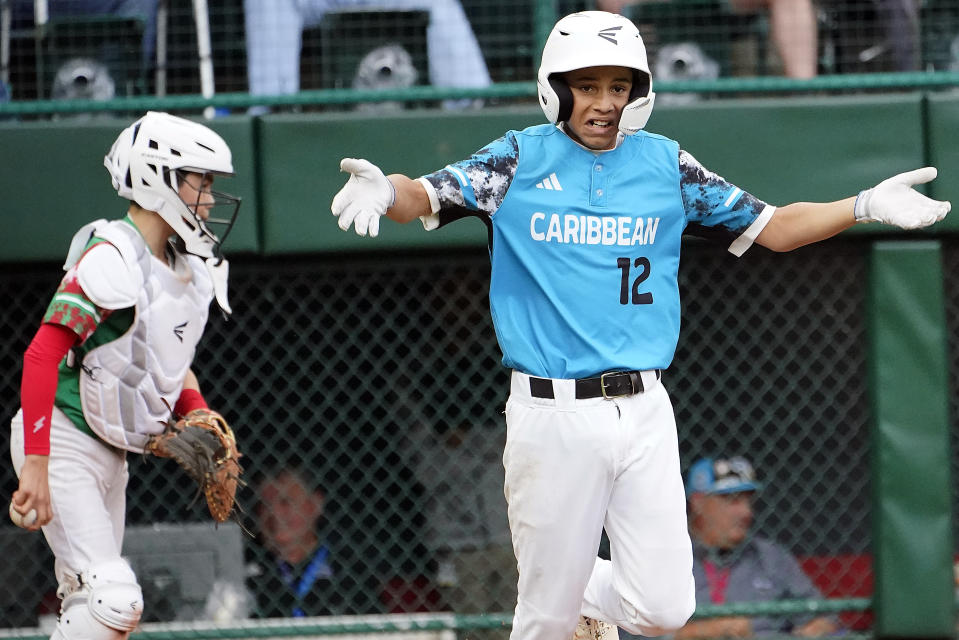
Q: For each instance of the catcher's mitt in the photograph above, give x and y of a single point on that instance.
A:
(203, 444)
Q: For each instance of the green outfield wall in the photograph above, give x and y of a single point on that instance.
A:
(782, 150)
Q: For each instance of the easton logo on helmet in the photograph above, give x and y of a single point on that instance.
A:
(609, 34)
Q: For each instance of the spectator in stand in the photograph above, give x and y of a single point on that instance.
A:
(792, 24)
(274, 36)
(731, 564)
(301, 567)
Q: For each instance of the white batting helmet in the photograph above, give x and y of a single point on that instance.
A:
(593, 39)
(145, 163)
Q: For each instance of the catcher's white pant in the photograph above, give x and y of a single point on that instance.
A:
(573, 467)
(88, 482)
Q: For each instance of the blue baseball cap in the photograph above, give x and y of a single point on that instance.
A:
(721, 475)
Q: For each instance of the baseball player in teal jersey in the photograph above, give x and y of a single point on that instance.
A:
(585, 219)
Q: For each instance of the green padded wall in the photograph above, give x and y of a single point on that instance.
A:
(943, 144)
(912, 541)
(782, 150)
(53, 181)
(299, 160)
(800, 149)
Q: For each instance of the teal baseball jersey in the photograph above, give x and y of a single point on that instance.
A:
(585, 245)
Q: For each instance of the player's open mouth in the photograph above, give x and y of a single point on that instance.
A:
(600, 123)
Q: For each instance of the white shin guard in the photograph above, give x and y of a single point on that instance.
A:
(108, 605)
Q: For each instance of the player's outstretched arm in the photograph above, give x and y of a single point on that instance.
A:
(411, 199)
(893, 201)
(802, 223)
(369, 195)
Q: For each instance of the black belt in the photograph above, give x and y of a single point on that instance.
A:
(612, 384)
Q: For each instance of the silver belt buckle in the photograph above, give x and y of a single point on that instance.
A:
(602, 385)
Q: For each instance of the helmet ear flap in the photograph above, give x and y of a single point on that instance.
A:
(565, 96)
(642, 83)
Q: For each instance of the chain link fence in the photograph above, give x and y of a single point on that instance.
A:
(77, 55)
(377, 382)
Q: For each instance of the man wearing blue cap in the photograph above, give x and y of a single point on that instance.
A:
(731, 565)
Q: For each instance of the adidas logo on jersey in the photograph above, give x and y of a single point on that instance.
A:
(551, 183)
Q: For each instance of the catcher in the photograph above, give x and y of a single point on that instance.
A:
(112, 357)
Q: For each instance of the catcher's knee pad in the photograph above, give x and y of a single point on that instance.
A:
(108, 605)
(78, 622)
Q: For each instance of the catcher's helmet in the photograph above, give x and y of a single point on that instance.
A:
(146, 162)
(593, 39)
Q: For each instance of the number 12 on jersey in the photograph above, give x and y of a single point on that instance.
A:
(628, 287)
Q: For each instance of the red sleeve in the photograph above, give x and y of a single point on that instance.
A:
(39, 384)
(189, 400)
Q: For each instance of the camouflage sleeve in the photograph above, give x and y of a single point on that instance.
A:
(711, 201)
(478, 184)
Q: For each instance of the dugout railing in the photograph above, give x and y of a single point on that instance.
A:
(521, 92)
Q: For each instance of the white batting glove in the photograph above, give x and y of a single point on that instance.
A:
(894, 201)
(365, 197)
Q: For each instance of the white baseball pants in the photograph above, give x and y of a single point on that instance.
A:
(573, 467)
(88, 482)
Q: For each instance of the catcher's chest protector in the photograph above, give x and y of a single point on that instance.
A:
(129, 386)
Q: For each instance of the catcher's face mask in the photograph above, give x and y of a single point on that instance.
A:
(211, 216)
